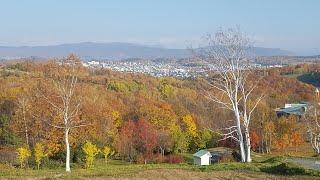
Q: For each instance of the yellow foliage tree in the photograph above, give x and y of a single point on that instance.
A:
(91, 150)
(191, 126)
(116, 119)
(107, 152)
(23, 155)
(39, 154)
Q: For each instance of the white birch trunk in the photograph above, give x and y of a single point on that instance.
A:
(25, 124)
(248, 146)
(66, 138)
(240, 137)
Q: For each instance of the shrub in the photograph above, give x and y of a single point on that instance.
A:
(91, 151)
(61, 155)
(140, 159)
(158, 158)
(78, 154)
(174, 159)
(23, 155)
(107, 152)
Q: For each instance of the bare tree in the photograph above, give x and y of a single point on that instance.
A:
(164, 142)
(227, 54)
(24, 106)
(65, 103)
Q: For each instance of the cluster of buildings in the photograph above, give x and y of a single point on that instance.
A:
(160, 68)
(157, 69)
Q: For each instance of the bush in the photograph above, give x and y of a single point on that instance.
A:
(78, 154)
(158, 158)
(107, 152)
(174, 159)
(61, 155)
(140, 159)
(91, 150)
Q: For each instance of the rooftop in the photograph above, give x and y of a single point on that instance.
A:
(202, 153)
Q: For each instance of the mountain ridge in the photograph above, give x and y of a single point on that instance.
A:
(112, 50)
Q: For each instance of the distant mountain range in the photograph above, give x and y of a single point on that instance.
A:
(90, 50)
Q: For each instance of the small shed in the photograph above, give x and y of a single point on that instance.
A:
(202, 157)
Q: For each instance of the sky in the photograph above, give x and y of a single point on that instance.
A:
(288, 24)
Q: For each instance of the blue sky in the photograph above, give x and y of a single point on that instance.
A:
(287, 24)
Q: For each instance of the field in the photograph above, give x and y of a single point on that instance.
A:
(264, 167)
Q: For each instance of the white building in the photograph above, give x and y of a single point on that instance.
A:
(202, 157)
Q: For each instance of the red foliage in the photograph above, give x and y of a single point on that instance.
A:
(125, 144)
(174, 159)
(158, 158)
(146, 138)
(137, 138)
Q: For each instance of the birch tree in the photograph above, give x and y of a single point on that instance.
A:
(227, 54)
(24, 106)
(313, 125)
(64, 102)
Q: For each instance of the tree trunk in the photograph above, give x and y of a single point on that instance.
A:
(25, 122)
(67, 150)
(162, 151)
(270, 143)
(242, 154)
(248, 146)
(26, 132)
(240, 136)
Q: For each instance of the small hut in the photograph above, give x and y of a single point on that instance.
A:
(202, 157)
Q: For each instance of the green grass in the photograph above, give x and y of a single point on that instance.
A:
(116, 168)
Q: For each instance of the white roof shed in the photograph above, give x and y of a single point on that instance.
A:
(202, 157)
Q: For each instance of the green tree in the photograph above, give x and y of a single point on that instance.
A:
(204, 139)
(6, 135)
(180, 140)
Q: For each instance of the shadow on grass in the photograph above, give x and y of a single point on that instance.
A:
(278, 165)
(284, 168)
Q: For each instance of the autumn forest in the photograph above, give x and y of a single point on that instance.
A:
(136, 117)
